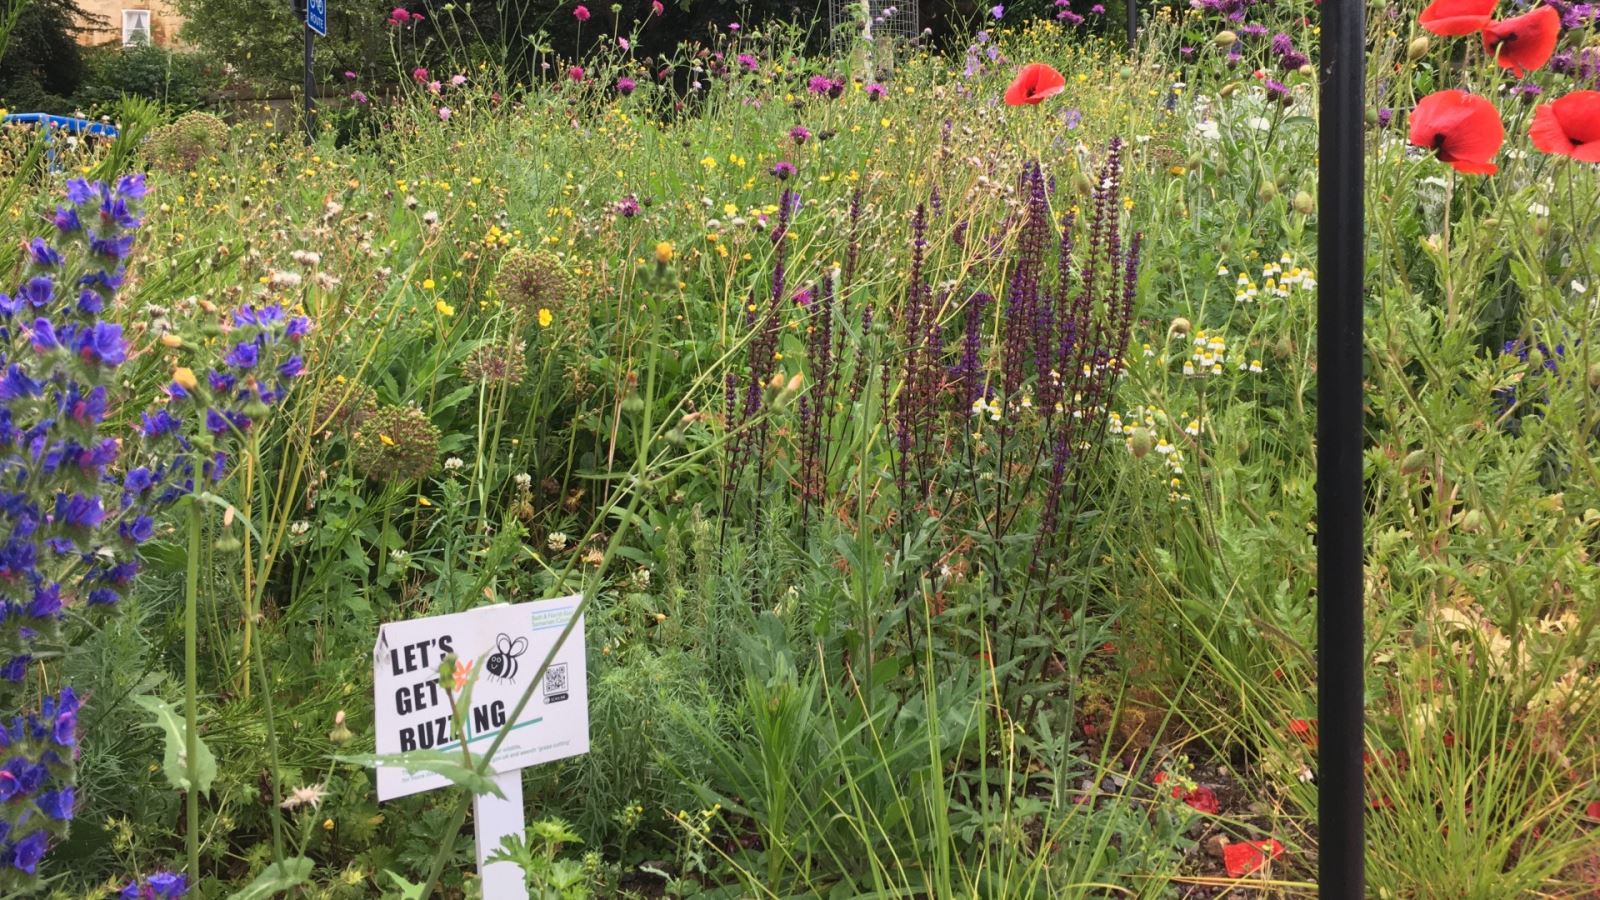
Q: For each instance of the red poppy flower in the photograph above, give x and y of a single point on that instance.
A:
(1242, 858)
(1464, 129)
(1569, 126)
(1454, 18)
(1593, 810)
(1035, 82)
(1523, 43)
(1305, 730)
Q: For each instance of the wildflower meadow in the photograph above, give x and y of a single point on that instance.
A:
(918, 433)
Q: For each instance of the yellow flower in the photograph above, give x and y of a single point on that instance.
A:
(427, 284)
(444, 309)
(545, 318)
(327, 824)
(664, 252)
(184, 378)
(386, 440)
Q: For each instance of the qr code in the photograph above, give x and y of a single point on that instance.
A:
(555, 682)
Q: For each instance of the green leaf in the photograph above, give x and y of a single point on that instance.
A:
(440, 762)
(280, 876)
(408, 890)
(173, 762)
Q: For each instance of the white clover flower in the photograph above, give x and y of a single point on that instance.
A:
(300, 527)
(523, 480)
(557, 541)
(454, 464)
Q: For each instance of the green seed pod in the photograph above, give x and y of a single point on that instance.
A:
(1225, 39)
(1594, 376)
(1417, 49)
(1141, 442)
(1304, 203)
(1267, 193)
(1228, 89)
(1415, 461)
(227, 544)
(1180, 326)
(1472, 521)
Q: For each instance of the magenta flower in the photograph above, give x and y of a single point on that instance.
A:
(575, 73)
(799, 134)
(623, 43)
(876, 91)
(349, 75)
(358, 97)
(626, 85)
(444, 113)
(581, 13)
(657, 8)
(419, 75)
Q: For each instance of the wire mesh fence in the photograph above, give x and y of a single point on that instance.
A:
(881, 27)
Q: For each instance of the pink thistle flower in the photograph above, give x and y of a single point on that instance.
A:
(419, 75)
(444, 113)
(457, 80)
(575, 73)
(581, 13)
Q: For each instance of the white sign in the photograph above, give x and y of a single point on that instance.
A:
(498, 650)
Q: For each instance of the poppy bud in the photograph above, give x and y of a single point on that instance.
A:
(1541, 227)
(340, 735)
(1180, 326)
(1371, 117)
(1304, 203)
(1140, 443)
(1415, 461)
(880, 327)
(1225, 39)
(1536, 357)
(1228, 89)
(1306, 70)
(1594, 376)
(171, 341)
(227, 544)
(1417, 49)
(777, 381)
(184, 378)
(1267, 193)
(1552, 504)
(1472, 521)
(1082, 184)
(1126, 71)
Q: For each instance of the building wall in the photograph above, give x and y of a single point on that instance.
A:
(164, 20)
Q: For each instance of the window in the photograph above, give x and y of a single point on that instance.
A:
(135, 27)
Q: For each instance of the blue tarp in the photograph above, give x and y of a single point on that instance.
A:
(65, 123)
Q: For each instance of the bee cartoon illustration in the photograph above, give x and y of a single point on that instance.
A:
(502, 664)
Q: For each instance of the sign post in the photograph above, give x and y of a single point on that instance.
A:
(316, 23)
(1341, 546)
(498, 650)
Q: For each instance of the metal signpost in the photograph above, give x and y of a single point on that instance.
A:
(315, 14)
(1341, 260)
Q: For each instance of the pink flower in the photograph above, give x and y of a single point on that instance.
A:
(419, 75)
(358, 97)
(575, 73)
(657, 8)
(399, 16)
(623, 43)
(444, 113)
(434, 86)
(581, 13)
(733, 26)
(349, 76)
(457, 80)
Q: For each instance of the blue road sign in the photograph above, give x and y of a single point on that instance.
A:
(317, 16)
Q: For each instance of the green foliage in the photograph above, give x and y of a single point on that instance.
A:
(175, 79)
(41, 64)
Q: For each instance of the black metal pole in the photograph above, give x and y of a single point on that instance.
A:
(1133, 22)
(311, 107)
(1341, 258)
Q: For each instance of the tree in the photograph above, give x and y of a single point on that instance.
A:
(42, 64)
